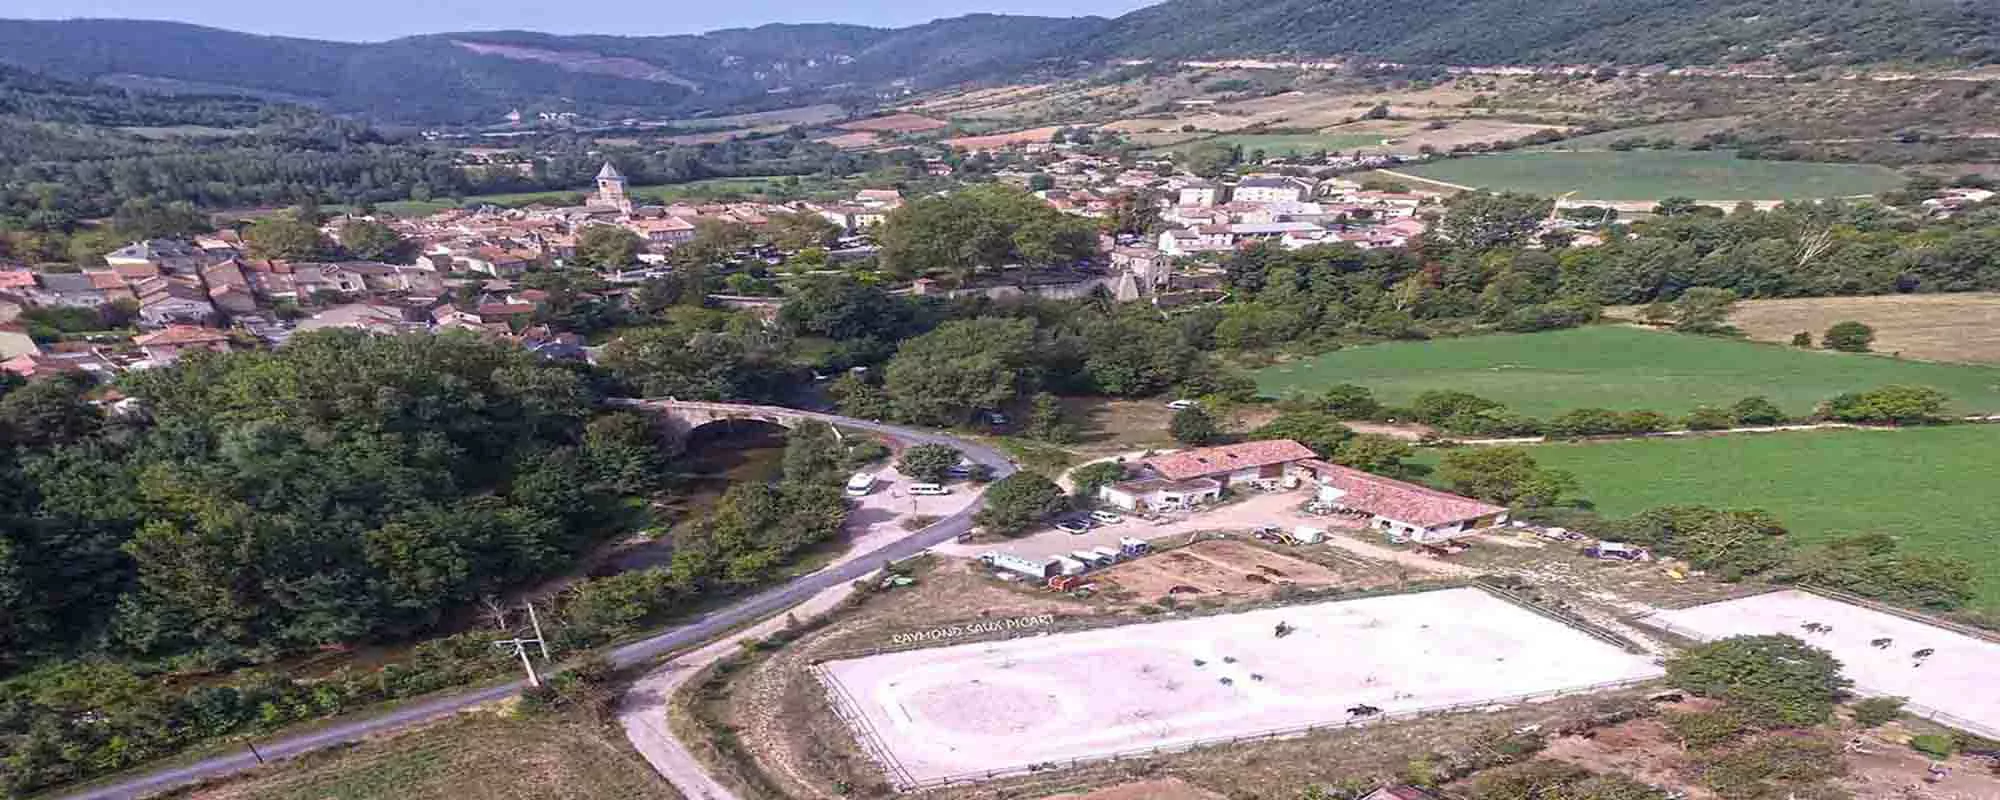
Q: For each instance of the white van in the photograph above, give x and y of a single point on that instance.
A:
(860, 485)
(928, 488)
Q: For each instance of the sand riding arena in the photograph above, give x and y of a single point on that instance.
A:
(975, 711)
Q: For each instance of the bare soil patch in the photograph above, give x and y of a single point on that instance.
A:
(995, 140)
(857, 140)
(1225, 567)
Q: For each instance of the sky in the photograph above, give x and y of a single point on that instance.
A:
(374, 20)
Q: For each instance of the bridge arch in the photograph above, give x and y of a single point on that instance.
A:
(680, 418)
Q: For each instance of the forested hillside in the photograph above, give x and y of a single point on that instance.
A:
(1801, 32)
(479, 77)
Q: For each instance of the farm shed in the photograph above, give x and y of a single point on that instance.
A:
(1160, 494)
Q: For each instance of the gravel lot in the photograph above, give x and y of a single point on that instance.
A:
(990, 706)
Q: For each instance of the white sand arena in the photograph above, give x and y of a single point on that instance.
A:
(1961, 677)
(955, 711)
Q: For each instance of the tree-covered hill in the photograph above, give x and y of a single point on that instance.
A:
(477, 77)
(480, 76)
(1800, 32)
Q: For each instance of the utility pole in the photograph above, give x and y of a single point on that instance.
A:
(520, 646)
(521, 649)
(537, 622)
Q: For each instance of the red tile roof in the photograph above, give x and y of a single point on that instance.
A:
(1397, 500)
(180, 334)
(1227, 458)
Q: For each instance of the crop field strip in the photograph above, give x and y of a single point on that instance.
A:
(1642, 175)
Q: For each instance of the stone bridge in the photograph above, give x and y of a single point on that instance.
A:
(679, 418)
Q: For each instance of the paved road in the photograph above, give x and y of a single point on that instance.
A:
(708, 626)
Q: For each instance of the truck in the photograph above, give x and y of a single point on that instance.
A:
(1111, 555)
(1133, 548)
(1090, 557)
(1070, 566)
(1617, 551)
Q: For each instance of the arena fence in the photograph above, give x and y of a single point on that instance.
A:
(849, 712)
(1090, 622)
(1276, 733)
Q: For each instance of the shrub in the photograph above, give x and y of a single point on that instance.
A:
(1090, 477)
(1757, 410)
(1935, 745)
(1731, 544)
(1193, 426)
(1704, 729)
(1847, 337)
(1770, 681)
(1348, 401)
(1020, 501)
(1802, 339)
(1877, 711)
(930, 463)
(1870, 566)
(1898, 405)
(1709, 418)
(1773, 767)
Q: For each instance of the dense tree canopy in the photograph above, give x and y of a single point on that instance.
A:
(982, 228)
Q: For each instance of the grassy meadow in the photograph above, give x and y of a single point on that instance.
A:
(1642, 175)
(474, 757)
(1623, 368)
(1930, 487)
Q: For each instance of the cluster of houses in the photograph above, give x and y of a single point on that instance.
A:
(504, 243)
(210, 294)
(1290, 211)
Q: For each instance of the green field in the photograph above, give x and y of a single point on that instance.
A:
(1931, 487)
(1622, 368)
(1642, 175)
(1279, 144)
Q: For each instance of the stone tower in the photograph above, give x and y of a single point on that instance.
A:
(611, 189)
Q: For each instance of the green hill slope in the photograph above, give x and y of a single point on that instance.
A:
(1801, 32)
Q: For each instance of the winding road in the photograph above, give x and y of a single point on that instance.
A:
(706, 627)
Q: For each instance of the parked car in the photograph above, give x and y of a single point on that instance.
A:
(1103, 517)
(860, 484)
(1181, 404)
(1073, 527)
(996, 419)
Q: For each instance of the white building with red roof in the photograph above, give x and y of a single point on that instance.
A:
(1231, 464)
(1405, 511)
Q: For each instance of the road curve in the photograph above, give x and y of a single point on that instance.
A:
(707, 626)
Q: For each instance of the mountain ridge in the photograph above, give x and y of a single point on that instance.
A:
(478, 76)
